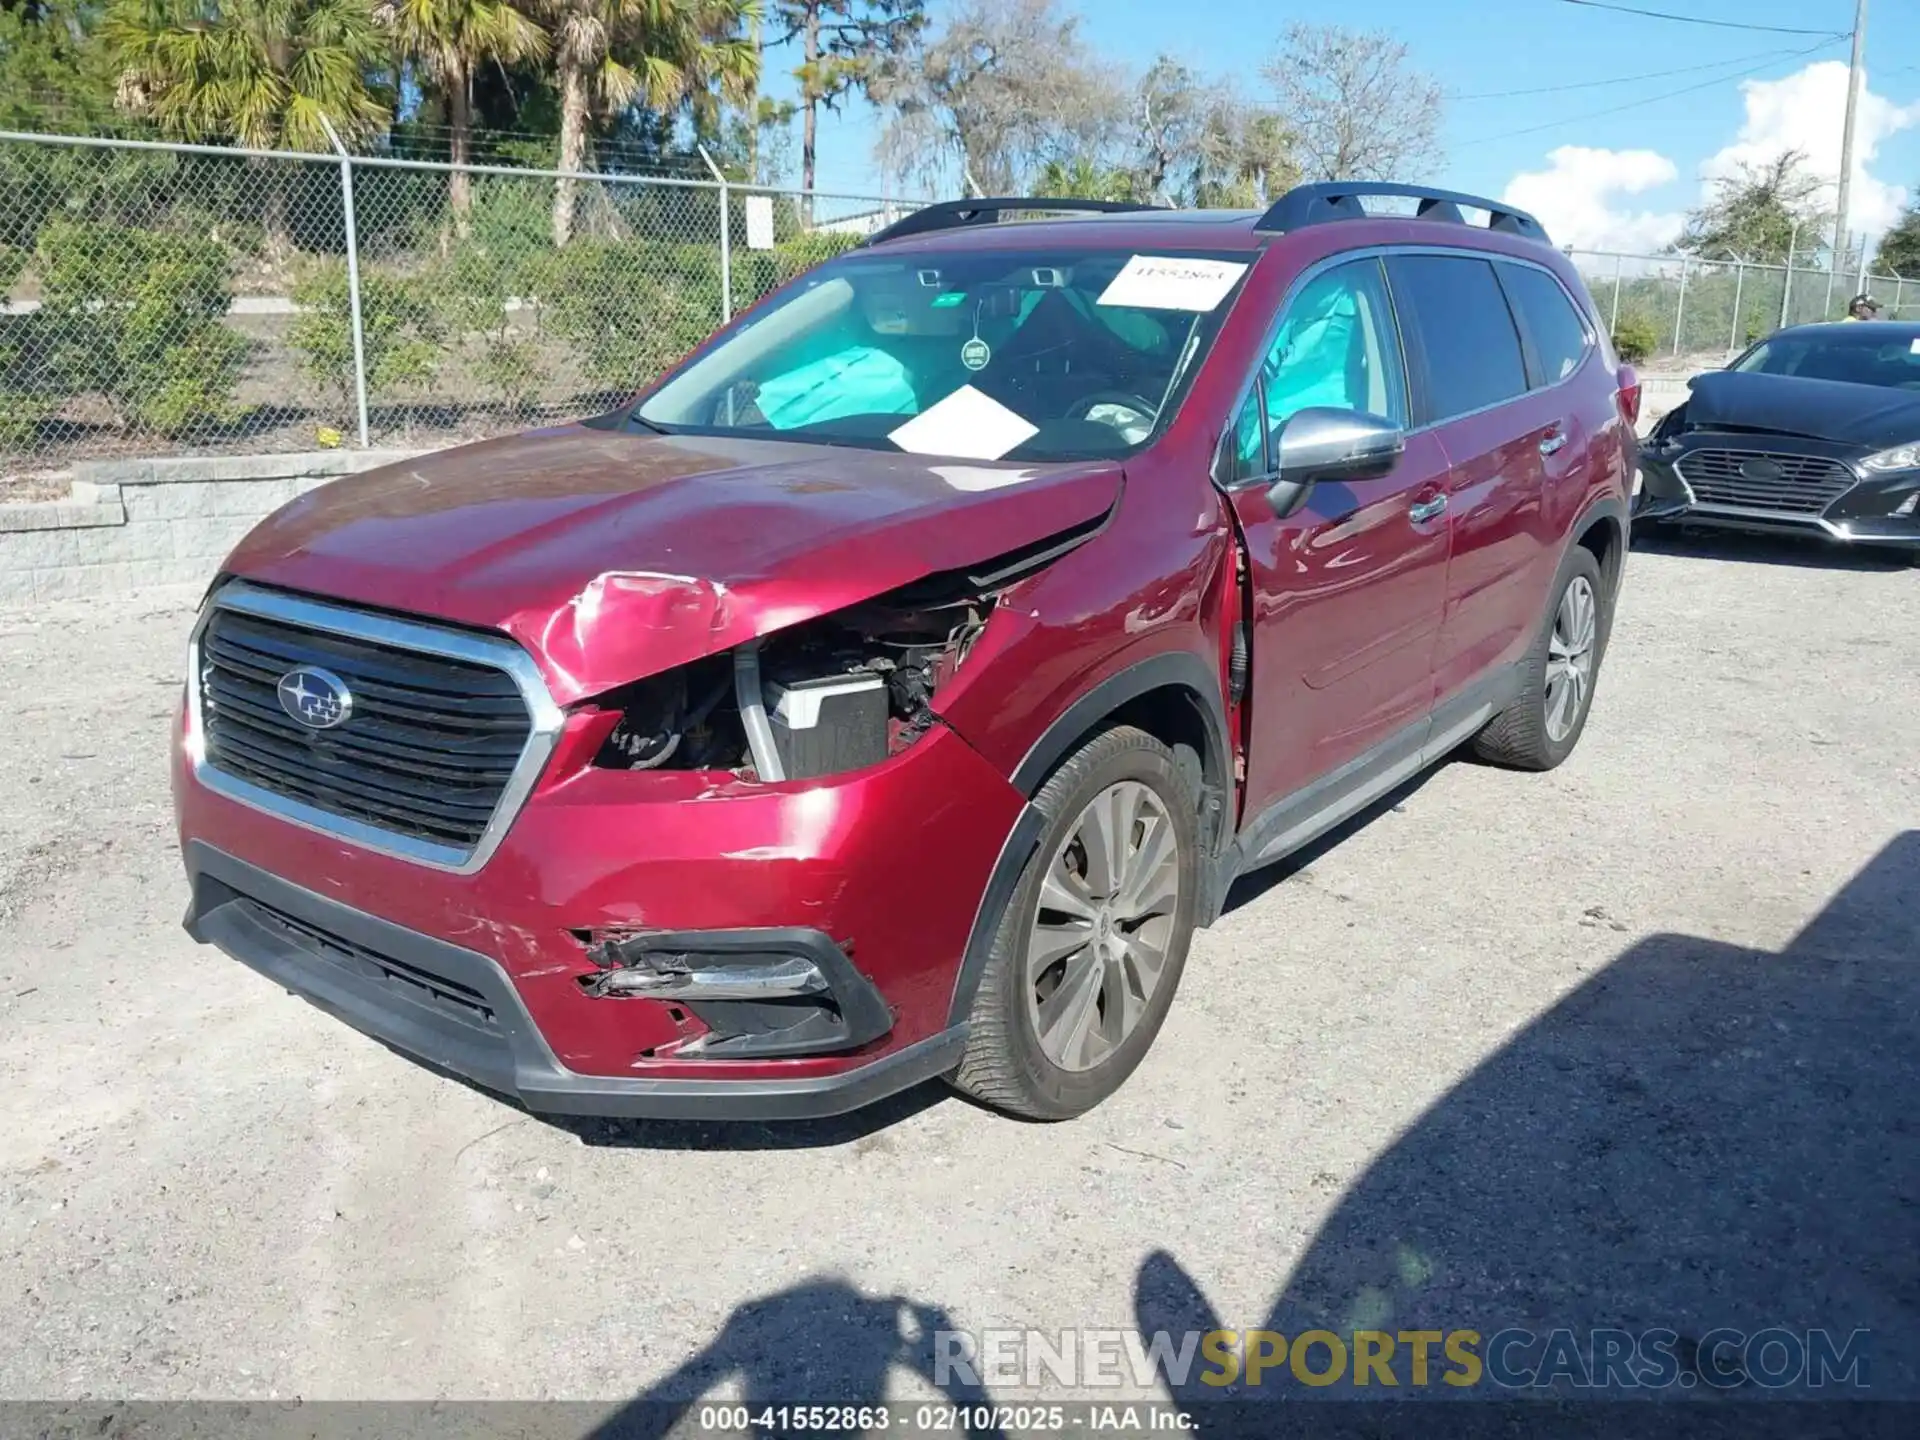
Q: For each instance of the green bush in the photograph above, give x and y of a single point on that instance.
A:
(137, 316)
(399, 333)
(1635, 339)
(470, 293)
(758, 273)
(631, 308)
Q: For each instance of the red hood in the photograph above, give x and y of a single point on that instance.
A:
(611, 556)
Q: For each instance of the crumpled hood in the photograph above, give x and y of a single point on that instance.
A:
(611, 555)
(1868, 415)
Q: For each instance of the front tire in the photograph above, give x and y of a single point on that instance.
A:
(1540, 729)
(1090, 950)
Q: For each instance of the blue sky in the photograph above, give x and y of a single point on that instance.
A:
(1618, 179)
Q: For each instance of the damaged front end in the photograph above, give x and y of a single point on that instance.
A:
(758, 993)
(830, 695)
(824, 698)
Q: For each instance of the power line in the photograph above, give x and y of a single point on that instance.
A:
(1627, 79)
(1696, 19)
(1650, 100)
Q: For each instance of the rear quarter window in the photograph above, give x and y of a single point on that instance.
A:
(1462, 337)
(1560, 337)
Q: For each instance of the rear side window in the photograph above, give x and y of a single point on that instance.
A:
(1559, 335)
(1461, 329)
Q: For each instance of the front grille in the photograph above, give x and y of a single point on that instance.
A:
(426, 752)
(1796, 484)
(458, 1002)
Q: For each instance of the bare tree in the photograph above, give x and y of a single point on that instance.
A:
(1171, 104)
(1007, 87)
(1354, 107)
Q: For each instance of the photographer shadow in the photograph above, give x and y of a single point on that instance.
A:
(822, 1340)
(1701, 1137)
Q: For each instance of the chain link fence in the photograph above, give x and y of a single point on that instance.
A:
(1666, 306)
(174, 299)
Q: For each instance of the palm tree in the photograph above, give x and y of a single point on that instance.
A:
(450, 39)
(268, 74)
(613, 53)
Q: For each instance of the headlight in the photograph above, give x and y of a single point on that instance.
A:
(1900, 457)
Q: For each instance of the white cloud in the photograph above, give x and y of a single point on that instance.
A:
(1803, 112)
(1575, 198)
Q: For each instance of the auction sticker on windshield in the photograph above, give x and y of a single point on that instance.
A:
(1160, 282)
(967, 424)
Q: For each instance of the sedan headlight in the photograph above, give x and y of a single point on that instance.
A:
(1900, 457)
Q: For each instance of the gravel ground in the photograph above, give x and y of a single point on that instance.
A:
(1633, 1043)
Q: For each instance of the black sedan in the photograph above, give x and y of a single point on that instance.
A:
(1814, 430)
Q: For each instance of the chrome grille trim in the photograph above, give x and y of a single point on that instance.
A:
(1807, 484)
(498, 653)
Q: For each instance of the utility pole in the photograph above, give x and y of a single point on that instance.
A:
(1840, 236)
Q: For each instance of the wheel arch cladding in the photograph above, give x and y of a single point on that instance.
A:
(1602, 529)
(1175, 698)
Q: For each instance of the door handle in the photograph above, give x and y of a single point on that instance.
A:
(1424, 510)
(1554, 443)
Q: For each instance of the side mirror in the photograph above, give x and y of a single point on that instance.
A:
(1324, 444)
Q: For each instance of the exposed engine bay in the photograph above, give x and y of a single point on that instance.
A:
(834, 694)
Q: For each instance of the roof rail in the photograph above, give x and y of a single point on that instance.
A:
(953, 214)
(1317, 204)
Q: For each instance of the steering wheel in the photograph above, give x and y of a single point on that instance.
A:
(1144, 408)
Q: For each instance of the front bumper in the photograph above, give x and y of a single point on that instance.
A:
(458, 1010)
(885, 868)
(1866, 513)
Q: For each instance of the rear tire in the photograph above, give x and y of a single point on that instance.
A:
(1089, 953)
(1542, 726)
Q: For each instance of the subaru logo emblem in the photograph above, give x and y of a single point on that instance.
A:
(317, 698)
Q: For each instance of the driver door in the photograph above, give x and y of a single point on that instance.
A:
(1348, 590)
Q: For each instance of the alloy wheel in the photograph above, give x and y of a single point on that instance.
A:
(1100, 937)
(1570, 658)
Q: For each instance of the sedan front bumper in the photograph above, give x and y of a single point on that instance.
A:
(1796, 486)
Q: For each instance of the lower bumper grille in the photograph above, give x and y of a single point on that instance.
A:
(1765, 480)
(457, 1002)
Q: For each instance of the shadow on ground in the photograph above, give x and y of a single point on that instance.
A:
(1702, 1138)
(1741, 547)
(820, 1343)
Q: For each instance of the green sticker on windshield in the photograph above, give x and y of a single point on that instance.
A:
(947, 299)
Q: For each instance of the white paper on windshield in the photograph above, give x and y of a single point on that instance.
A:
(759, 222)
(966, 424)
(1158, 282)
(1914, 348)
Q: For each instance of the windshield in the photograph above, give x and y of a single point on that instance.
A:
(1857, 357)
(982, 355)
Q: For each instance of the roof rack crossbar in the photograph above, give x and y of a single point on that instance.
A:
(953, 214)
(1321, 203)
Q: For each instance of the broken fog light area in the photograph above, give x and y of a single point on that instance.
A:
(761, 994)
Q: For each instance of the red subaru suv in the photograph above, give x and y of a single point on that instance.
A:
(892, 689)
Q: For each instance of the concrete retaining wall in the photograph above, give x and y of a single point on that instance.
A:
(130, 524)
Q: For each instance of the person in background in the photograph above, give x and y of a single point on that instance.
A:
(1863, 307)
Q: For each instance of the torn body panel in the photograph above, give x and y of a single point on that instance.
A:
(613, 556)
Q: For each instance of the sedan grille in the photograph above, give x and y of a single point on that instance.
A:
(426, 749)
(1755, 480)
